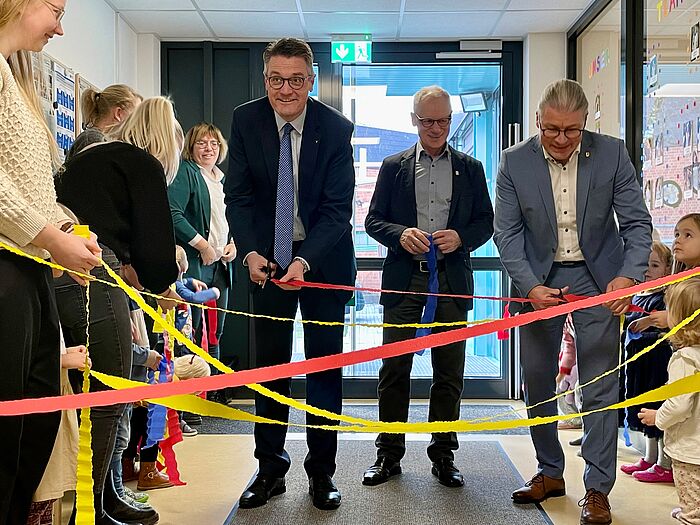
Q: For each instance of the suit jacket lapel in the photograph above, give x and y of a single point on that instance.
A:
(310, 140)
(458, 173)
(583, 179)
(407, 180)
(540, 171)
(270, 139)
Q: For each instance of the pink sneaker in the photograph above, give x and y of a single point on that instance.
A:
(636, 467)
(654, 474)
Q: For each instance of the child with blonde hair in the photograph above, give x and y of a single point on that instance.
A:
(679, 416)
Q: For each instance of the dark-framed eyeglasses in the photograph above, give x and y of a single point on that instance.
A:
(428, 122)
(276, 82)
(569, 133)
(57, 11)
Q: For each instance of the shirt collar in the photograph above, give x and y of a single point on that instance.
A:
(218, 174)
(297, 123)
(552, 159)
(420, 149)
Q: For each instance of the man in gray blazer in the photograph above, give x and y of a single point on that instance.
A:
(570, 218)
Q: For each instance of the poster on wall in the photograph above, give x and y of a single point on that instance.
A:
(659, 192)
(687, 137)
(65, 107)
(672, 194)
(695, 42)
(653, 71)
(658, 149)
(688, 191)
(647, 153)
(42, 67)
(596, 115)
(648, 194)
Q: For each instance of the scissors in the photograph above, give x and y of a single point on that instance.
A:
(268, 274)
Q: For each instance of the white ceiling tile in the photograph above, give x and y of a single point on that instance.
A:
(323, 25)
(343, 6)
(438, 6)
(168, 24)
(520, 23)
(254, 25)
(525, 5)
(247, 5)
(464, 25)
(152, 5)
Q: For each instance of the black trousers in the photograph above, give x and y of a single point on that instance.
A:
(110, 351)
(273, 345)
(394, 389)
(29, 342)
(138, 435)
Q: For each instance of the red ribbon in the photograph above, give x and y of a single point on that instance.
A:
(319, 364)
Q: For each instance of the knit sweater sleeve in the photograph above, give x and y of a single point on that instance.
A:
(19, 221)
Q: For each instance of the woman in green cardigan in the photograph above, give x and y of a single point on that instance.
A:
(199, 217)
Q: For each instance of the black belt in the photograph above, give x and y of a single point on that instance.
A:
(422, 266)
(569, 264)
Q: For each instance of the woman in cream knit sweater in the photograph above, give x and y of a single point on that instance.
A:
(30, 220)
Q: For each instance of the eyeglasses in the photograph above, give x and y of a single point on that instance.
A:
(428, 122)
(57, 11)
(294, 82)
(570, 133)
(213, 144)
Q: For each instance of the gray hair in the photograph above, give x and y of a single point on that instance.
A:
(564, 95)
(429, 92)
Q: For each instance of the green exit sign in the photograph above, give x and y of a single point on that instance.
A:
(351, 49)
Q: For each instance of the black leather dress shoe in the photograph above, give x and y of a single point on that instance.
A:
(446, 472)
(381, 471)
(261, 490)
(324, 494)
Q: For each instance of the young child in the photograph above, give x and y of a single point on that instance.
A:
(567, 379)
(649, 371)
(192, 291)
(60, 474)
(679, 416)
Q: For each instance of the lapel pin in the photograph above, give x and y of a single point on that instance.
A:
(588, 154)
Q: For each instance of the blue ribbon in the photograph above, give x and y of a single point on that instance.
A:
(433, 287)
(157, 414)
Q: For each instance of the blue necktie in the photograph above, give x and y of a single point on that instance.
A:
(284, 209)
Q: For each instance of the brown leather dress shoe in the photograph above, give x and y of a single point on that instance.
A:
(539, 489)
(595, 508)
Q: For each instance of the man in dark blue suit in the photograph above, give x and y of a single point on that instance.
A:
(289, 197)
(430, 191)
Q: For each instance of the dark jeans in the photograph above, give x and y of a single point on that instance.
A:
(29, 343)
(213, 275)
(273, 345)
(109, 348)
(394, 388)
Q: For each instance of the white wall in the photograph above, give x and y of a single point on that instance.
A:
(97, 44)
(544, 61)
(148, 65)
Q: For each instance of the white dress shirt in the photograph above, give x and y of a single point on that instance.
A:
(563, 177)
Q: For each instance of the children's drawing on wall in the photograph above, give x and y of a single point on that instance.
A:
(658, 149)
(687, 137)
(659, 192)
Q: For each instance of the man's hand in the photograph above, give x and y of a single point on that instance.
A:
(620, 306)
(415, 241)
(257, 267)
(446, 241)
(544, 297)
(198, 285)
(229, 253)
(295, 272)
(647, 416)
(658, 319)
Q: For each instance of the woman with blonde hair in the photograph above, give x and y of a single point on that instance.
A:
(119, 189)
(30, 220)
(101, 111)
(199, 217)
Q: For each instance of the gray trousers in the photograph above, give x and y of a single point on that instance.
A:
(597, 350)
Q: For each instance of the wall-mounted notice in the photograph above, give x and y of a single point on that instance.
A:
(64, 80)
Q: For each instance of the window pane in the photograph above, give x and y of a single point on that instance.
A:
(483, 354)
